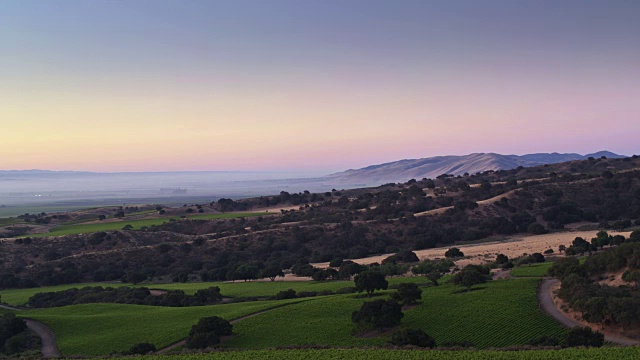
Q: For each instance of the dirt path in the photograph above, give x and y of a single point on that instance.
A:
(176, 345)
(9, 307)
(501, 274)
(47, 337)
(481, 202)
(545, 299)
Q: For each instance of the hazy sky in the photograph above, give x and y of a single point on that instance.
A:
(301, 84)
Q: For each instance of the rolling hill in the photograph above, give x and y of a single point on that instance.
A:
(403, 170)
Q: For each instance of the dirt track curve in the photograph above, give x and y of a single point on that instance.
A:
(545, 299)
(47, 337)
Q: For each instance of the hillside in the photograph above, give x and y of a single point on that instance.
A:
(403, 170)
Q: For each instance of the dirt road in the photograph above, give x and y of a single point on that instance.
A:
(47, 337)
(545, 299)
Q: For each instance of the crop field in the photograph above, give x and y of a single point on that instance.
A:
(271, 288)
(531, 270)
(322, 321)
(136, 224)
(19, 297)
(499, 313)
(100, 329)
(384, 354)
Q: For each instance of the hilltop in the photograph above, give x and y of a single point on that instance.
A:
(431, 167)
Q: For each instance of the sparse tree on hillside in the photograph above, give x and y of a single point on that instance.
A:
(471, 275)
(454, 253)
(370, 281)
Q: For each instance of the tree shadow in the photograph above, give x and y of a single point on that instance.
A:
(464, 291)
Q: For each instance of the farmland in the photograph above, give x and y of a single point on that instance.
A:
(100, 329)
(531, 270)
(18, 297)
(483, 317)
(389, 354)
(73, 229)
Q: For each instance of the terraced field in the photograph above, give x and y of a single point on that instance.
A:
(100, 329)
(388, 354)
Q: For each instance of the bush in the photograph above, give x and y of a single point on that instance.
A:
(454, 253)
(583, 336)
(407, 294)
(543, 340)
(415, 337)
(536, 229)
(286, 294)
(208, 332)
(378, 313)
(141, 349)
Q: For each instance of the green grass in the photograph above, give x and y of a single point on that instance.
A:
(500, 313)
(19, 297)
(10, 221)
(321, 321)
(628, 353)
(268, 288)
(532, 270)
(100, 329)
(73, 229)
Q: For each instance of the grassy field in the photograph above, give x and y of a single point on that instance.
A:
(269, 288)
(531, 270)
(384, 354)
(499, 313)
(18, 297)
(100, 329)
(136, 224)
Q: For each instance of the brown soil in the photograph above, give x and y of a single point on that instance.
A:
(482, 253)
(608, 330)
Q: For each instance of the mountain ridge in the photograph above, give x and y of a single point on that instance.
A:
(431, 167)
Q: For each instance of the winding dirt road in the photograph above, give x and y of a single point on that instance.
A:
(545, 299)
(47, 337)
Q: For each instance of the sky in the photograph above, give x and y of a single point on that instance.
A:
(311, 85)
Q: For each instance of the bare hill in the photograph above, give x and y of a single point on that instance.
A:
(403, 170)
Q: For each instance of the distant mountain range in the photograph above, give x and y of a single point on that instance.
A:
(404, 170)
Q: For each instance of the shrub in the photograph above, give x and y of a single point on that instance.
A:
(583, 336)
(407, 293)
(208, 332)
(141, 349)
(378, 313)
(454, 253)
(415, 337)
